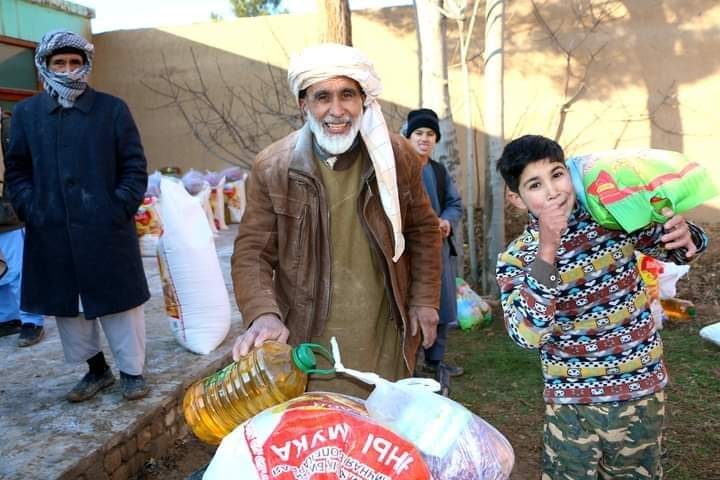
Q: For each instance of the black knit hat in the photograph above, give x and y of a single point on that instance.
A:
(61, 50)
(423, 117)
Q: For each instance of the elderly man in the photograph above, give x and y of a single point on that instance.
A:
(76, 173)
(339, 238)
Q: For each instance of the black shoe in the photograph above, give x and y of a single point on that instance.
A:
(133, 386)
(30, 334)
(11, 327)
(90, 384)
(452, 370)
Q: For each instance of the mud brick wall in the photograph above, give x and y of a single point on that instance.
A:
(125, 456)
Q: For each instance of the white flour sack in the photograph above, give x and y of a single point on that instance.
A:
(318, 435)
(196, 299)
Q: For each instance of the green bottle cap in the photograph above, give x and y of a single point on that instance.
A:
(691, 311)
(304, 357)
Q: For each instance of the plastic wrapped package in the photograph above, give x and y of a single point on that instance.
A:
(472, 310)
(153, 185)
(455, 443)
(235, 200)
(711, 333)
(217, 202)
(203, 197)
(627, 189)
(148, 226)
(233, 174)
(316, 435)
(194, 181)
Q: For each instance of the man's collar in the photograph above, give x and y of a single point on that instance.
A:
(83, 103)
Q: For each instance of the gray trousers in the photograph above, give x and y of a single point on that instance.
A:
(125, 332)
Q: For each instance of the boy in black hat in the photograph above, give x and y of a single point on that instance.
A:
(423, 131)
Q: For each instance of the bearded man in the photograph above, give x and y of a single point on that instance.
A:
(76, 173)
(338, 237)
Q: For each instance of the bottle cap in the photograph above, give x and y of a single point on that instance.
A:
(691, 311)
(304, 357)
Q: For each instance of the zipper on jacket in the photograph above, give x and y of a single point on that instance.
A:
(389, 289)
(311, 182)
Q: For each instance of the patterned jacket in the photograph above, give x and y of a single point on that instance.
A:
(588, 314)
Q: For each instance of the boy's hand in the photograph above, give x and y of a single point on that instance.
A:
(677, 233)
(553, 220)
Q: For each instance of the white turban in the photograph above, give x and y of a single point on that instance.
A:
(325, 61)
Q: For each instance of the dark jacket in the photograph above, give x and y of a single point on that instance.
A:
(282, 260)
(76, 177)
(8, 219)
(445, 200)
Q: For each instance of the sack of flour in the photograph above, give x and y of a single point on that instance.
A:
(196, 299)
(317, 435)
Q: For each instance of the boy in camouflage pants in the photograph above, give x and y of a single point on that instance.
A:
(571, 289)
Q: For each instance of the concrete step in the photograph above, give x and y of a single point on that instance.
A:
(106, 437)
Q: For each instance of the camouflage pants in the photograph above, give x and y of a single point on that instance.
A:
(616, 440)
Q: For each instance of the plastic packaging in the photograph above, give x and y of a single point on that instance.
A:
(316, 436)
(472, 310)
(678, 310)
(194, 182)
(711, 333)
(650, 271)
(669, 277)
(455, 443)
(628, 189)
(265, 377)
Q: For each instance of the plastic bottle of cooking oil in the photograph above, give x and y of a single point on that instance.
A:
(266, 376)
(678, 310)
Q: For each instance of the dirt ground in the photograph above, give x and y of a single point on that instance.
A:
(702, 286)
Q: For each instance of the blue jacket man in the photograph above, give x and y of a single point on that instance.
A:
(75, 173)
(423, 131)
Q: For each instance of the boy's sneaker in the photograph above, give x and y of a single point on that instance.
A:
(30, 334)
(11, 327)
(133, 386)
(90, 384)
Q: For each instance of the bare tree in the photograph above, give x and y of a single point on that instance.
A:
(335, 17)
(493, 220)
(457, 10)
(232, 122)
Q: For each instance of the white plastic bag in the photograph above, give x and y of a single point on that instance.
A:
(711, 333)
(455, 443)
(196, 299)
(669, 277)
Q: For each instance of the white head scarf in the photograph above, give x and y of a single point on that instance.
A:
(325, 61)
(64, 87)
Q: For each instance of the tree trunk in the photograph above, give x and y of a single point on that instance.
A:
(494, 218)
(335, 21)
(434, 91)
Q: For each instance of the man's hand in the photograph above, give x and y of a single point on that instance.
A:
(445, 228)
(427, 318)
(677, 233)
(553, 220)
(267, 326)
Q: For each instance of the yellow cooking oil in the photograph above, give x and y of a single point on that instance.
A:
(267, 376)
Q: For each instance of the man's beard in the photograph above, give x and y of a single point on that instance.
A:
(333, 144)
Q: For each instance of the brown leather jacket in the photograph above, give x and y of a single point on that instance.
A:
(282, 259)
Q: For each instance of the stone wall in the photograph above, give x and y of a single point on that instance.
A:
(125, 456)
